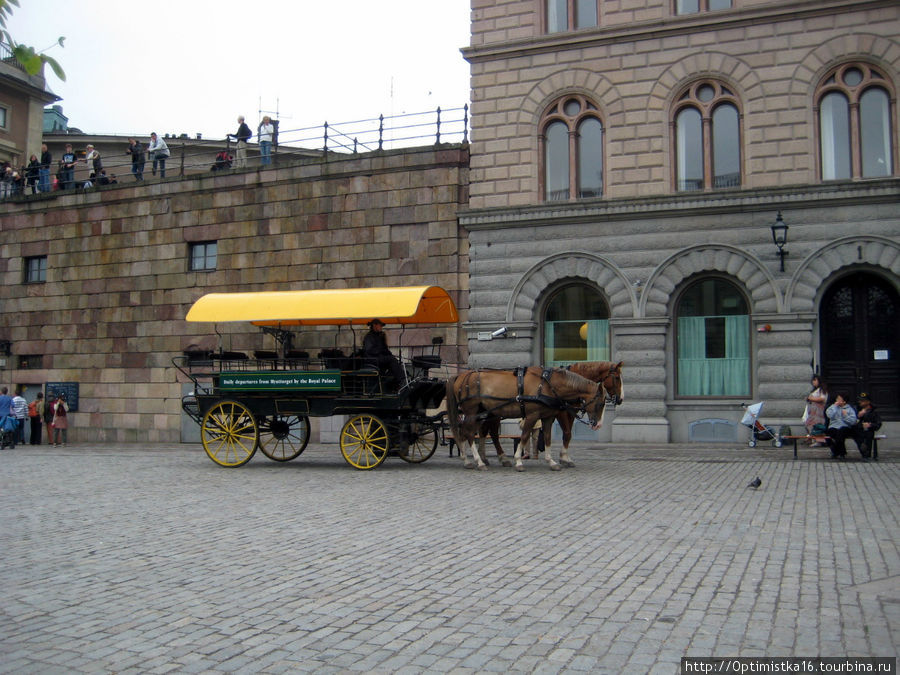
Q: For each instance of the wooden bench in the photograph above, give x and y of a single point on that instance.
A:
(451, 441)
(820, 438)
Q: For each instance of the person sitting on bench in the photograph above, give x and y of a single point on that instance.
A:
(869, 423)
(841, 425)
(376, 351)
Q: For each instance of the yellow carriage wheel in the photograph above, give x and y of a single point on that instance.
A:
(283, 437)
(229, 433)
(364, 441)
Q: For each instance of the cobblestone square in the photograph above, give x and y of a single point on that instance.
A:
(152, 559)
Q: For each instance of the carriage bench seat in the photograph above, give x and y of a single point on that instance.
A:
(451, 441)
(820, 438)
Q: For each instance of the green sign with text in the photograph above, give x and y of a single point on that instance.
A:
(319, 380)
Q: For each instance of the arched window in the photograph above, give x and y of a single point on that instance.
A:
(854, 107)
(564, 15)
(572, 139)
(576, 326)
(707, 138)
(713, 340)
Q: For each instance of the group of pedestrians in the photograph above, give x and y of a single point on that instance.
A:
(16, 413)
(833, 415)
(38, 177)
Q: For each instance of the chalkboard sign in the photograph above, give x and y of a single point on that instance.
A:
(70, 389)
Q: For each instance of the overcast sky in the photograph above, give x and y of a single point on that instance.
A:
(192, 66)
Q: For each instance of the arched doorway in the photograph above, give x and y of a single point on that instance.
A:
(859, 320)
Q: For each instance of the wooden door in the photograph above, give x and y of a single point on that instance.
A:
(860, 339)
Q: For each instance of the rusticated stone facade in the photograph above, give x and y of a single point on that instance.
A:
(110, 314)
(642, 242)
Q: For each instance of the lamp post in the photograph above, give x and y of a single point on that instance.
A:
(779, 236)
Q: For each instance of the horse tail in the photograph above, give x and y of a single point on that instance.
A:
(453, 408)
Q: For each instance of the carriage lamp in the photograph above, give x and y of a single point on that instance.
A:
(779, 236)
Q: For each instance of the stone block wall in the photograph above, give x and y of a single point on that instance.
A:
(633, 65)
(110, 314)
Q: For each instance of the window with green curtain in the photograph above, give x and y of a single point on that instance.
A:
(713, 338)
(576, 327)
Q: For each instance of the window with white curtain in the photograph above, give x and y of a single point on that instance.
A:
(576, 327)
(713, 340)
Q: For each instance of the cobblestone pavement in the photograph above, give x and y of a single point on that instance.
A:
(152, 559)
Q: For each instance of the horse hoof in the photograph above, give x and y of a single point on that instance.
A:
(568, 464)
(519, 467)
(468, 465)
(507, 462)
(482, 468)
(555, 467)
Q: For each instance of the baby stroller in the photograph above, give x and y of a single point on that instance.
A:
(758, 430)
(8, 429)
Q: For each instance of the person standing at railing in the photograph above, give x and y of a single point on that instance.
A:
(265, 134)
(136, 150)
(67, 173)
(92, 157)
(33, 173)
(159, 153)
(241, 137)
(44, 173)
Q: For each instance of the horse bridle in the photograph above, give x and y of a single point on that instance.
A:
(584, 406)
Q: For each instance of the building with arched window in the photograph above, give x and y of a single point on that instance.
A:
(628, 162)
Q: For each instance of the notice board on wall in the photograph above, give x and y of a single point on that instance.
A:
(53, 389)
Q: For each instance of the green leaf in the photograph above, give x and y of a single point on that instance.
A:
(60, 73)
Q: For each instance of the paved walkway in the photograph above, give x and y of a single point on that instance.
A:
(152, 559)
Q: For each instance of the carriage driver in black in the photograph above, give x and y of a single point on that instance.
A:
(376, 350)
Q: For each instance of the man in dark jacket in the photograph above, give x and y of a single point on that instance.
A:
(869, 423)
(242, 136)
(376, 351)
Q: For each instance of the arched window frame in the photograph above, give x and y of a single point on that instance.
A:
(732, 371)
(557, 113)
(834, 82)
(691, 98)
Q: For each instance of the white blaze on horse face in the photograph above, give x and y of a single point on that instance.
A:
(600, 421)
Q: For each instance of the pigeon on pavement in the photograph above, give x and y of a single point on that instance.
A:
(755, 483)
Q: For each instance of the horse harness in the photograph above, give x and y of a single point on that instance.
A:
(546, 400)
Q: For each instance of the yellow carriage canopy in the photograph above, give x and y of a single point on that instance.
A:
(329, 307)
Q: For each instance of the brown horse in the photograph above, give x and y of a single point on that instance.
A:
(607, 373)
(532, 393)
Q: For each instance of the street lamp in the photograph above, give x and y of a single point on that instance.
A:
(779, 236)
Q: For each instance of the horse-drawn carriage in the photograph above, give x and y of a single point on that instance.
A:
(243, 404)
(265, 403)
